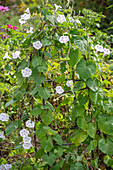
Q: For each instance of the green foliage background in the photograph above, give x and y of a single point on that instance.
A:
(73, 130)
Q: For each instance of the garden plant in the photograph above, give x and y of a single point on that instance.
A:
(56, 91)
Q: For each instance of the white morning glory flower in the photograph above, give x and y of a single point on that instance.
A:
(27, 139)
(21, 21)
(4, 117)
(61, 19)
(27, 11)
(69, 83)
(57, 6)
(7, 166)
(26, 72)
(99, 48)
(16, 54)
(30, 124)
(30, 31)
(71, 19)
(59, 90)
(106, 51)
(6, 56)
(25, 16)
(64, 39)
(2, 167)
(2, 135)
(37, 45)
(27, 145)
(24, 133)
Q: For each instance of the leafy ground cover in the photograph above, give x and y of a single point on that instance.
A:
(56, 91)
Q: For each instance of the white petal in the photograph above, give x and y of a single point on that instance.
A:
(4, 117)
(64, 39)
(37, 45)
(57, 6)
(27, 139)
(69, 83)
(7, 166)
(59, 90)
(2, 135)
(30, 124)
(6, 56)
(26, 72)
(106, 51)
(24, 133)
(27, 145)
(61, 19)
(27, 11)
(25, 16)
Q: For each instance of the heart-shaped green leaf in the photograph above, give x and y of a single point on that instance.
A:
(58, 139)
(106, 146)
(85, 69)
(92, 84)
(79, 138)
(50, 159)
(81, 43)
(106, 124)
(81, 122)
(51, 18)
(44, 92)
(11, 128)
(74, 56)
(91, 130)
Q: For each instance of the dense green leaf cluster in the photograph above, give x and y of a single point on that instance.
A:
(73, 129)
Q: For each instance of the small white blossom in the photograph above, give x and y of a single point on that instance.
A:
(99, 48)
(4, 117)
(26, 72)
(27, 11)
(6, 56)
(69, 83)
(61, 19)
(30, 124)
(71, 19)
(2, 135)
(2, 167)
(57, 6)
(37, 45)
(24, 133)
(25, 16)
(30, 31)
(16, 54)
(59, 90)
(27, 139)
(21, 21)
(106, 51)
(7, 166)
(64, 39)
(27, 145)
